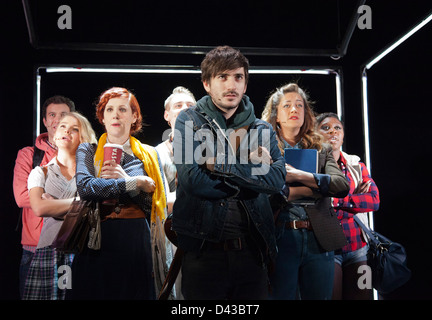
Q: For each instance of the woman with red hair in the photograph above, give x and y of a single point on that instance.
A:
(132, 260)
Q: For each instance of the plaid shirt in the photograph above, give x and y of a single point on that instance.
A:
(355, 203)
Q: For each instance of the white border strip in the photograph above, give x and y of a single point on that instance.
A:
(338, 95)
(181, 71)
(38, 106)
(184, 71)
(398, 42)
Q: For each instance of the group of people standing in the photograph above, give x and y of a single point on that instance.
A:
(233, 203)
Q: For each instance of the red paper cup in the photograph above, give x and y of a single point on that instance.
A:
(113, 152)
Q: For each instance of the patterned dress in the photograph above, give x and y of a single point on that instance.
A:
(122, 268)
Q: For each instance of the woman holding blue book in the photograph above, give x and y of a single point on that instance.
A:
(307, 227)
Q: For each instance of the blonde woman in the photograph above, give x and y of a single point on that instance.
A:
(51, 190)
(307, 235)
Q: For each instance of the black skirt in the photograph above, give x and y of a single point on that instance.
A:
(121, 269)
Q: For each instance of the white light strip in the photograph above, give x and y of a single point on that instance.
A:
(367, 149)
(366, 122)
(38, 107)
(194, 71)
(365, 96)
(289, 71)
(397, 43)
(365, 104)
(338, 96)
(119, 70)
(366, 134)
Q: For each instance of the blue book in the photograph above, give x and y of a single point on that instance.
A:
(302, 159)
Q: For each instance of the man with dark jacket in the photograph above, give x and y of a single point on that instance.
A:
(228, 164)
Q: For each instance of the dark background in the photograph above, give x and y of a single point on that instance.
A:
(288, 34)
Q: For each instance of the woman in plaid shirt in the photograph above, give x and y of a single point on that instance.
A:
(363, 197)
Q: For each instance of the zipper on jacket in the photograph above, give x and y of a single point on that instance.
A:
(251, 233)
(210, 122)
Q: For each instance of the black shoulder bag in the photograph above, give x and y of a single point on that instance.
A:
(387, 260)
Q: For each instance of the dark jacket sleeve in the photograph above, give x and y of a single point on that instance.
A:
(336, 185)
(261, 178)
(194, 177)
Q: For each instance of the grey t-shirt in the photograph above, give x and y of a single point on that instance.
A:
(236, 221)
(55, 184)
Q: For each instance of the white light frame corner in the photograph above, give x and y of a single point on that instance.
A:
(365, 105)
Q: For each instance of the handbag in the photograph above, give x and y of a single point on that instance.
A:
(387, 260)
(81, 219)
(326, 225)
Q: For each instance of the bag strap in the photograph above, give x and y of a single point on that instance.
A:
(38, 155)
(368, 231)
(172, 275)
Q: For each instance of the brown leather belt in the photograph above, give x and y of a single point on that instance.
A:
(121, 211)
(298, 224)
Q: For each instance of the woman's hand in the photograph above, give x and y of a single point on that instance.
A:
(112, 170)
(363, 187)
(145, 184)
(261, 156)
(292, 174)
(45, 205)
(47, 196)
(296, 175)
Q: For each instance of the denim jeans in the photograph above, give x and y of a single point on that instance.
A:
(26, 259)
(302, 268)
(359, 255)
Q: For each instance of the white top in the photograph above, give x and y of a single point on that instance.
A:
(57, 186)
(168, 167)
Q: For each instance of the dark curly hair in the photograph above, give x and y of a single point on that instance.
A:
(223, 58)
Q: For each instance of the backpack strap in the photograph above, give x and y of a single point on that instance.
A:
(38, 155)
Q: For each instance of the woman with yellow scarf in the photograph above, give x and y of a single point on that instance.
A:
(134, 253)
